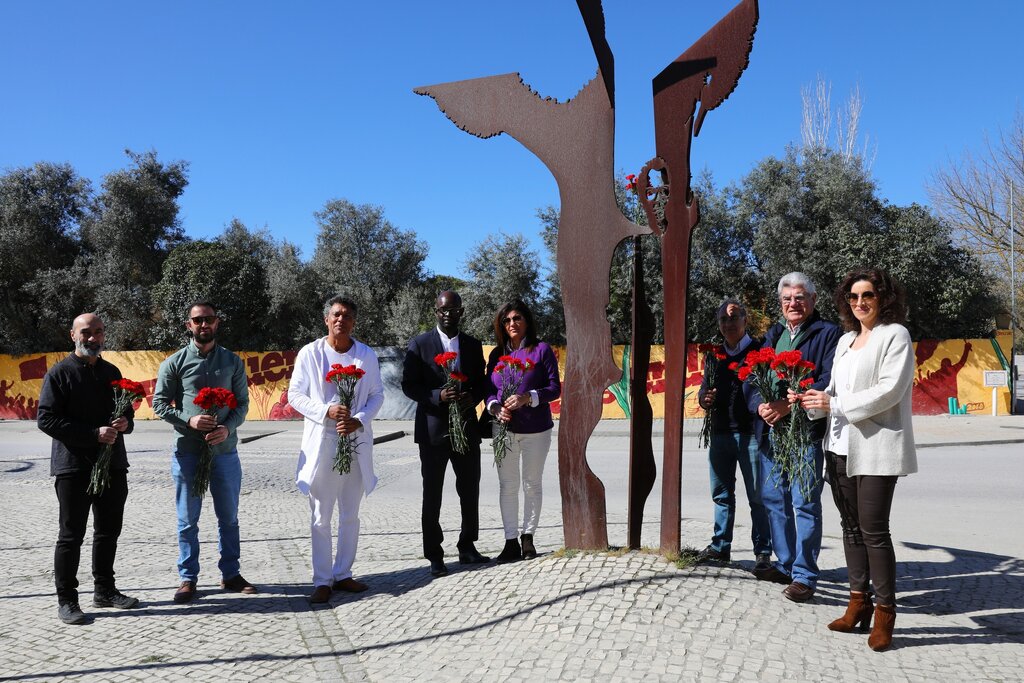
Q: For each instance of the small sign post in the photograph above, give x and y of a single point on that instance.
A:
(995, 379)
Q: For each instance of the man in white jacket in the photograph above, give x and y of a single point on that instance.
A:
(325, 421)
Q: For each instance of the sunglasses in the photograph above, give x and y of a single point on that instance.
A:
(513, 319)
(853, 298)
(200, 319)
(442, 311)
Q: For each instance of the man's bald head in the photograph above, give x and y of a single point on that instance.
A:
(88, 335)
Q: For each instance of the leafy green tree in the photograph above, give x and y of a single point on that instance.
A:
(550, 316)
(817, 211)
(132, 227)
(234, 281)
(293, 314)
(721, 263)
(499, 269)
(361, 254)
(41, 208)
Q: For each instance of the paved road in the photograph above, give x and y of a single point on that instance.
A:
(564, 616)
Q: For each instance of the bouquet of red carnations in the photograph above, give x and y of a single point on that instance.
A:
(713, 356)
(512, 371)
(210, 400)
(126, 393)
(454, 380)
(791, 436)
(345, 378)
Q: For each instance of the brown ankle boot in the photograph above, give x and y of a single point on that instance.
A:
(881, 632)
(859, 610)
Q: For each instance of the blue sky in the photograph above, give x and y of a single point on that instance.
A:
(279, 107)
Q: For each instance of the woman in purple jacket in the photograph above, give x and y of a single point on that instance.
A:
(528, 414)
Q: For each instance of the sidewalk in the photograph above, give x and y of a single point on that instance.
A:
(565, 616)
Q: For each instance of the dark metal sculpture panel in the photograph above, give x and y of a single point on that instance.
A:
(575, 140)
(704, 75)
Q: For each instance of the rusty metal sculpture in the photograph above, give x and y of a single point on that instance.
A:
(642, 469)
(706, 74)
(575, 140)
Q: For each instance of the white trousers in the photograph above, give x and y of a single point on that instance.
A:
(528, 451)
(330, 488)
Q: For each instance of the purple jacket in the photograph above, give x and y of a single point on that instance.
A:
(542, 378)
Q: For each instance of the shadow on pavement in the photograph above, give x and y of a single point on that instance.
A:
(987, 588)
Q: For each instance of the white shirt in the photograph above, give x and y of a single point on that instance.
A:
(451, 344)
(312, 396)
(843, 371)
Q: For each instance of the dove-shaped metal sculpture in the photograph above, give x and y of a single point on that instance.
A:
(705, 75)
(575, 140)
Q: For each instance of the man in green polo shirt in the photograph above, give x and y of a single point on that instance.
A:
(203, 363)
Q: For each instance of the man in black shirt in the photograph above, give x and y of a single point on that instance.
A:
(74, 408)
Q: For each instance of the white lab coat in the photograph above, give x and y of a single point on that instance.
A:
(311, 395)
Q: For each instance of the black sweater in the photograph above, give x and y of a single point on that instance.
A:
(77, 399)
(730, 412)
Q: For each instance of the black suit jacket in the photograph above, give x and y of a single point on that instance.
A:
(422, 380)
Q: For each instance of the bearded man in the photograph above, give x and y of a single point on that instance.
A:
(203, 363)
(75, 406)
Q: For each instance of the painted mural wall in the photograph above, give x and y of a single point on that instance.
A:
(952, 368)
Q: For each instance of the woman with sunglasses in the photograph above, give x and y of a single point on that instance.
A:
(528, 414)
(869, 442)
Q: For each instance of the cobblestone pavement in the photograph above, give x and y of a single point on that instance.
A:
(565, 616)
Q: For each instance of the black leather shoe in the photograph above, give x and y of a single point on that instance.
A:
(71, 613)
(437, 568)
(114, 598)
(762, 561)
(798, 592)
(469, 555)
(511, 552)
(774, 575)
(709, 554)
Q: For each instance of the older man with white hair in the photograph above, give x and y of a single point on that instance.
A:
(794, 512)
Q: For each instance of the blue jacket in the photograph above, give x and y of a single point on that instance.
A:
(817, 345)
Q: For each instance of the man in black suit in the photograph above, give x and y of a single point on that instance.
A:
(422, 381)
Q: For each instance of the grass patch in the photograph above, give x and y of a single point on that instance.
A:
(686, 558)
(154, 659)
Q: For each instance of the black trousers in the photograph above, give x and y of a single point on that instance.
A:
(864, 503)
(433, 463)
(107, 515)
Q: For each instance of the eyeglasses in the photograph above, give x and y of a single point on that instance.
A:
(513, 319)
(853, 297)
(200, 319)
(798, 299)
(451, 310)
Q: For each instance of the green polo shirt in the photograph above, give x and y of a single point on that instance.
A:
(181, 377)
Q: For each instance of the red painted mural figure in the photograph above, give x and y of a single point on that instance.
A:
(932, 391)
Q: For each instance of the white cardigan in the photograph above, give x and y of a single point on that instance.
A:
(879, 403)
(310, 394)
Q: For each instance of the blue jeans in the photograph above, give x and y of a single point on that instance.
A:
(225, 487)
(729, 449)
(795, 519)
